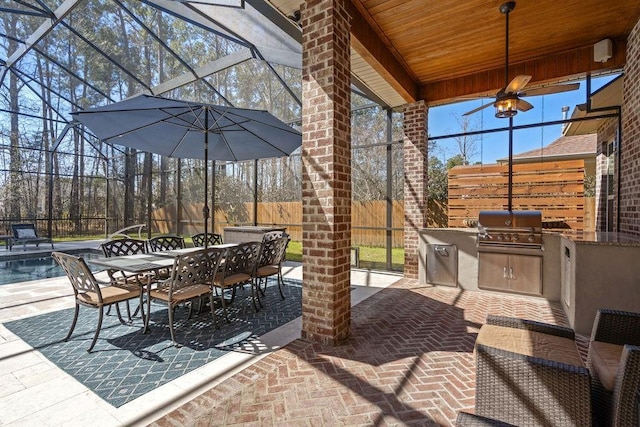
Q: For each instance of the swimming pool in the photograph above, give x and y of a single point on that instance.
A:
(36, 266)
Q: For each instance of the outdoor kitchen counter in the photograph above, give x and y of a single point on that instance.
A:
(602, 238)
(582, 271)
(598, 270)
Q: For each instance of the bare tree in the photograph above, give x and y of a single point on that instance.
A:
(467, 145)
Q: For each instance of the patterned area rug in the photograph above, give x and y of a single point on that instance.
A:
(125, 363)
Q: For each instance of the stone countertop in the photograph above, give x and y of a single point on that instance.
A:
(597, 238)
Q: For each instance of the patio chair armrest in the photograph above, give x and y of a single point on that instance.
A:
(520, 389)
(531, 325)
(616, 327)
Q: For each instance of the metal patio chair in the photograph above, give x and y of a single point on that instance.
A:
(211, 238)
(166, 243)
(126, 246)
(190, 280)
(89, 292)
(272, 256)
(238, 269)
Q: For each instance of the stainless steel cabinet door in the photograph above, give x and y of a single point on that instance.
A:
(525, 274)
(493, 271)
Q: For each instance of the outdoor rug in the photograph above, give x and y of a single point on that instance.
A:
(125, 363)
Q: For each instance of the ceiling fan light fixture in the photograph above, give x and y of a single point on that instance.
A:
(506, 107)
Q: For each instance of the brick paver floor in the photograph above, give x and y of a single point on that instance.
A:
(408, 361)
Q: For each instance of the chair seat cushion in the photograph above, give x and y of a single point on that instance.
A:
(529, 343)
(110, 295)
(605, 358)
(231, 280)
(267, 270)
(183, 294)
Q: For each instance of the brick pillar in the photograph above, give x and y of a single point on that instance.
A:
(326, 171)
(630, 144)
(415, 183)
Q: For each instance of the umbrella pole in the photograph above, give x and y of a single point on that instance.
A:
(205, 209)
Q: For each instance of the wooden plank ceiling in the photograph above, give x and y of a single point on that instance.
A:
(442, 50)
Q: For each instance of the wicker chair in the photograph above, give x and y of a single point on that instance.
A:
(237, 270)
(270, 262)
(166, 243)
(89, 293)
(466, 419)
(614, 363)
(526, 389)
(190, 280)
(212, 239)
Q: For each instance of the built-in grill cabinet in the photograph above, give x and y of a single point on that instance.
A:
(510, 251)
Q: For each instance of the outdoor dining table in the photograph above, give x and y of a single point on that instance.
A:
(136, 264)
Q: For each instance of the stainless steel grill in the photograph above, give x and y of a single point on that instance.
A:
(510, 230)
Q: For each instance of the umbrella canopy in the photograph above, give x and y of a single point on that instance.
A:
(191, 130)
(176, 128)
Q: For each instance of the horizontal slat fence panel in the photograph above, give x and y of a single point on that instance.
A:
(368, 219)
(555, 188)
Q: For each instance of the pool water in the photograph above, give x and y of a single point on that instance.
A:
(41, 266)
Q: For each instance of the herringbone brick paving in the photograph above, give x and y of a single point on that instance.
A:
(408, 362)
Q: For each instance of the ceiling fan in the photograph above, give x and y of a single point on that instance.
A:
(508, 101)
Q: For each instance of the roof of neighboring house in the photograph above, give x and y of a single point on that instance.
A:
(565, 147)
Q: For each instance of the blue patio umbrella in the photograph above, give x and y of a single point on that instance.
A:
(184, 129)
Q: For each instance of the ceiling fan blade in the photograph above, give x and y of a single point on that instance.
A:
(551, 89)
(524, 105)
(517, 84)
(475, 110)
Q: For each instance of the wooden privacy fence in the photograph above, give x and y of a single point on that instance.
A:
(555, 188)
(368, 219)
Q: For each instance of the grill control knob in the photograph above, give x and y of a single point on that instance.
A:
(500, 237)
(515, 237)
(530, 239)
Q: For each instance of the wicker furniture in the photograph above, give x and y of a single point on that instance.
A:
(270, 262)
(466, 419)
(614, 363)
(25, 234)
(190, 280)
(211, 238)
(530, 374)
(166, 243)
(89, 293)
(238, 269)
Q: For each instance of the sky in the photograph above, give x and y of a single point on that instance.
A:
(446, 119)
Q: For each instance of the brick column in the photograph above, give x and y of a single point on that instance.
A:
(326, 171)
(630, 144)
(415, 183)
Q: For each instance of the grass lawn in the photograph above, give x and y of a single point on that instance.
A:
(370, 257)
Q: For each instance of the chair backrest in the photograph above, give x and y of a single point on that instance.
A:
(24, 231)
(212, 239)
(166, 243)
(195, 268)
(126, 246)
(242, 258)
(272, 235)
(273, 251)
(79, 274)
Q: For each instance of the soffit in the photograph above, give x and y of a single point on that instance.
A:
(456, 48)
